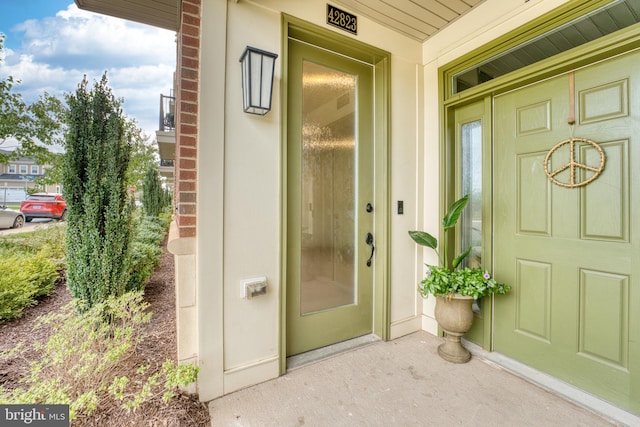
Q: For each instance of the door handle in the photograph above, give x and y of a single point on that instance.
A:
(369, 241)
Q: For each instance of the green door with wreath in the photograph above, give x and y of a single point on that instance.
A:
(572, 253)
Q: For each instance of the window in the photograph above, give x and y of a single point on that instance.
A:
(471, 157)
(615, 16)
(12, 168)
(23, 169)
(34, 170)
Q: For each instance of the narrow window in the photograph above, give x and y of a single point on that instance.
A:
(471, 139)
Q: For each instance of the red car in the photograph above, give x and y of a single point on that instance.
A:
(44, 205)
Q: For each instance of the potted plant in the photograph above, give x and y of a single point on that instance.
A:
(455, 288)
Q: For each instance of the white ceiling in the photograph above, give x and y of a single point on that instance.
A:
(417, 19)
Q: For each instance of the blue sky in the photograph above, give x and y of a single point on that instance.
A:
(51, 44)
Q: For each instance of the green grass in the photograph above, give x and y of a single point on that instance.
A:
(15, 206)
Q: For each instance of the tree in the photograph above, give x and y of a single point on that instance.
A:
(34, 126)
(144, 155)
(99, 217)
(153, 196)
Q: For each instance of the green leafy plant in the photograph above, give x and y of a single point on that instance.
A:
(23, 279)
(447, 279)
(79, 364)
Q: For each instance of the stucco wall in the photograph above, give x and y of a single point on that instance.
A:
(239, 190)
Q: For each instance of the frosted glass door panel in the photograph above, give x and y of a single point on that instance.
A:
(328, 189)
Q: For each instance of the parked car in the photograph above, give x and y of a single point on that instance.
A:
(10, 218)
(44, 205)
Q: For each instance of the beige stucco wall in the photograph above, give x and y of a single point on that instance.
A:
(483, 24)
(239, 176)
(239, 191)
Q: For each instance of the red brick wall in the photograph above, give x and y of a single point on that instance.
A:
(188, 62)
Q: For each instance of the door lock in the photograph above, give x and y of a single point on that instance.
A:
(369, 241)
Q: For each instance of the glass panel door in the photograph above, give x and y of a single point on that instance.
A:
(329, 285)
(328, 196)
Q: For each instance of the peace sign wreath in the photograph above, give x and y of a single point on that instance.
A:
(573, 164)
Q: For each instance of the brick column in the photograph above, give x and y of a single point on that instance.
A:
(187, 92)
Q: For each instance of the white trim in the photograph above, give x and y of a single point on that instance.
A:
(251, 374)
(405, 326)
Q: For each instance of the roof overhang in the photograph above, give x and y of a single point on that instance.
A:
(158, 13)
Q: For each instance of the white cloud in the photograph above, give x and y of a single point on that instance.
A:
(57, 52)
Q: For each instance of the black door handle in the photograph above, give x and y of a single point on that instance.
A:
(369, 242)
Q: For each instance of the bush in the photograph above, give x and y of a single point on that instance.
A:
(153, 196)
(78, 364)
(23, 279)
(150, 230)
(98, 150)
(145, 258)
(50, 240)
(145, 251)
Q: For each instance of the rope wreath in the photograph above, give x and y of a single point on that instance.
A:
(573, 165)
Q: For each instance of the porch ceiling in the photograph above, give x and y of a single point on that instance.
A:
(418, 19)
(158, 13)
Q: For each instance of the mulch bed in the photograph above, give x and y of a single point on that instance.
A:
(159, 345)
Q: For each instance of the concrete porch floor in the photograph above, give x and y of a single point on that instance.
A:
(405, 383)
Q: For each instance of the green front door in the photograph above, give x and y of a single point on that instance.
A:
(330, 206)
(572, 254)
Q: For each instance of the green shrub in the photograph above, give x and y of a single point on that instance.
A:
(51, 242)
(145, 258)
(50, 239)
(150, 230)
(153, 196)
(145, 250)
(166, 217)
(23, 279)
(78, 365)
(98, 150)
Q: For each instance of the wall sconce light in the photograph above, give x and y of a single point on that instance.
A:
(257, 80)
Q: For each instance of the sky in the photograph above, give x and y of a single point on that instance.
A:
(51, 44)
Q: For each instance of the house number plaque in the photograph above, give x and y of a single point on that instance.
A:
(341, 19)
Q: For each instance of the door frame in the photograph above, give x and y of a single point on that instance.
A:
(600, 49)
(381, 62)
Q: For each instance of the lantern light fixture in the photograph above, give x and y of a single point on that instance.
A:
(257, 80)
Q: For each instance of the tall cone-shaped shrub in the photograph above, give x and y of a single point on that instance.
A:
(99, 213)
(153, 197)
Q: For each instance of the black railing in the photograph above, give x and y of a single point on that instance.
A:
(167, 113)
(166, 162)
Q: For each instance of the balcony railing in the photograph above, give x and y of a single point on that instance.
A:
(167, 113)
(168, 163)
